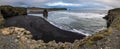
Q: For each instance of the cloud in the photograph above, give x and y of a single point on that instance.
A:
(112, 3)
(35, 3)
(62, 4)
(82, 5)
(87, 4)
(94, 5)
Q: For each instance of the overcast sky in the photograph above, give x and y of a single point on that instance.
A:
(71, 4)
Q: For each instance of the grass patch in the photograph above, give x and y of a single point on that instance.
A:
(102, 34)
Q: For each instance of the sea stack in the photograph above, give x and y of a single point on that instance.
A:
(45, 13)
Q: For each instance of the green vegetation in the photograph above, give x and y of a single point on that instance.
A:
(99, 36)
(9, 11)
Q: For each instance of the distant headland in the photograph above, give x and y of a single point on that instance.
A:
(24, 10)
(40, 10)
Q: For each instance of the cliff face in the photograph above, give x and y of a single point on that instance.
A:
(9, 11)
(1, 20)
(112, 15)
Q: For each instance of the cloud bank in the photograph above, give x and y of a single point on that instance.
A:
(62, 4)
(81, 4)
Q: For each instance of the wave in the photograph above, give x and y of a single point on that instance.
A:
(70, 29)
(84, 23)
(79, 15)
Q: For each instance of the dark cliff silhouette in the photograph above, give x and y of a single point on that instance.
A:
(10, 11)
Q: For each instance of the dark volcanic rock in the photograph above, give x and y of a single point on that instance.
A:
(112, 14)
(41, 29)
(9, 11)
(1, 20)
(45, 13)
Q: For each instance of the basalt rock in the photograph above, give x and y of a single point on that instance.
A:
(42, 29)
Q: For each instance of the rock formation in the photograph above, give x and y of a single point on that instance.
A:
(45, 13)
(112, 15)
(14, 37)
(9, 11)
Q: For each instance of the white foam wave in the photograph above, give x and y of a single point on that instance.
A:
(36, 15)
(81, 15)
(75, 30)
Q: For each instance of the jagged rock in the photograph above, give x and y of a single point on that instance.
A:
(112, 15)
(41, 29)
(11, 38)
(6, 31)
(21, 32)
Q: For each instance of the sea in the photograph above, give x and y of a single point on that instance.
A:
(79, 21)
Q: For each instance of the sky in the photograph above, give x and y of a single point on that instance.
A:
(70, 4)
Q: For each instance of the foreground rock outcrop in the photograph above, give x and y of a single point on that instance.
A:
(13, 37)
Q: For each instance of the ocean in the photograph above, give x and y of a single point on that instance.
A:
(83, 22)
